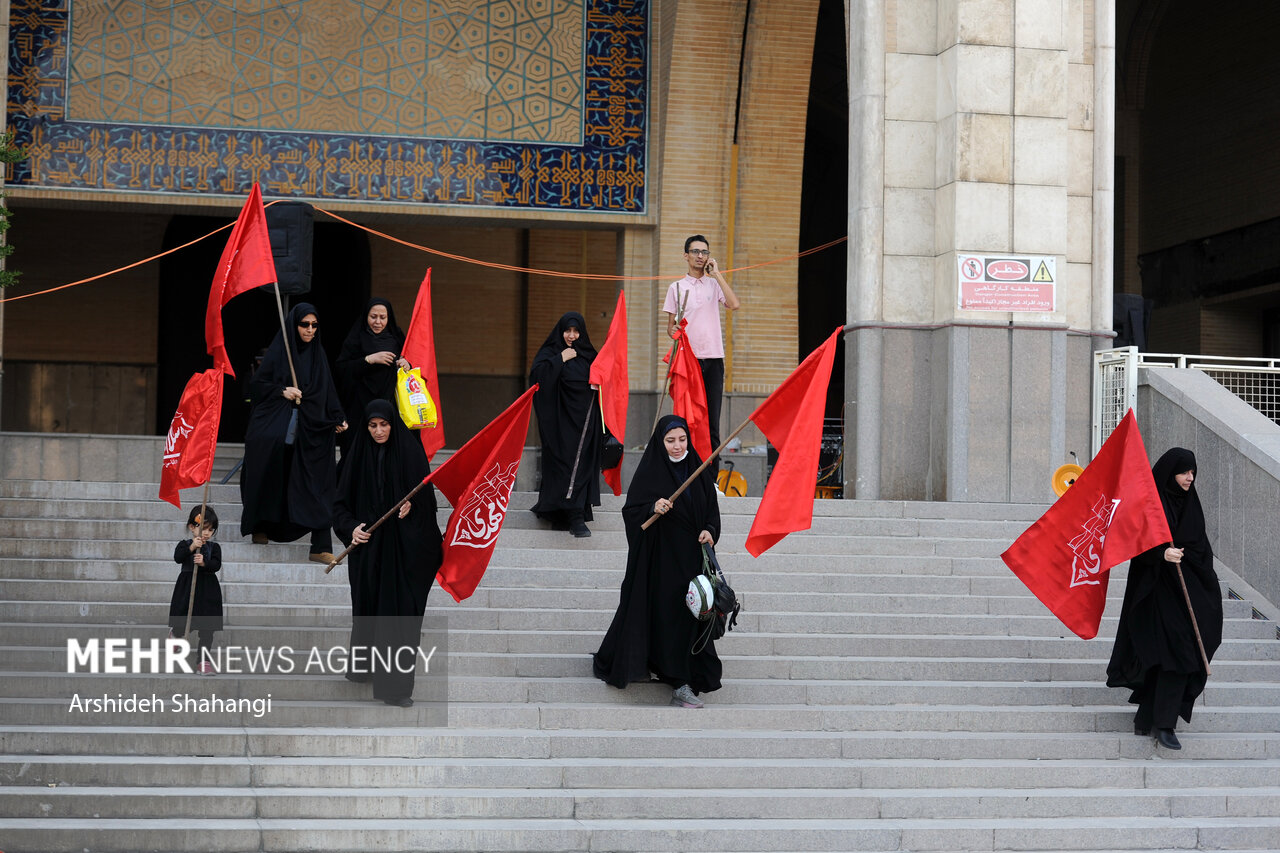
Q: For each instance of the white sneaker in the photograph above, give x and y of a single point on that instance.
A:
(682, 697)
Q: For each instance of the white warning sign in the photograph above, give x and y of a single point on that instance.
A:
(1025, 283)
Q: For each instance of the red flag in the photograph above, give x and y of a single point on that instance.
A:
(791, 418)
(477, 480)
(420, 351)
(609, 372)
(1110, 514)
(689, 395)
(193, 436)
(246, 263)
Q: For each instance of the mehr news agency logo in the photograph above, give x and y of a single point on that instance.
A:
(120, 656)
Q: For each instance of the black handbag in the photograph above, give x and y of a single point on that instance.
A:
(610, 452)
(726, 607)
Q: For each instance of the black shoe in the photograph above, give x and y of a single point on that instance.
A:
(358, 677)
(1167, 739)
(1140, 731)
(402, 702)
(580, 530)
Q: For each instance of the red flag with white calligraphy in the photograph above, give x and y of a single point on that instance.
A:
(478, 479)
(193, 436)
(1110, 514)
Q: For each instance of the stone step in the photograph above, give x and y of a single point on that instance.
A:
(229, 495)
(1134, 773)
(34, 519)
(332, 594)
(100, 742)
(910, 647)
(290, 561)
(750, 621)
(604, 804)
(641, 707)
(570, 835)
(53, 659)
(320, 685)
(837, 668)
(608, 546)
(872, 575)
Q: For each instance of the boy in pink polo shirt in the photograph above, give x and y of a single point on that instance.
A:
(706, 289)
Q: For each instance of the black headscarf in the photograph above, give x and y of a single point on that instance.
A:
(1182, 506)
(657, 476)
(652, 630)
(290, 487)
(358, 381)
(554, 343)
(391, 574)
(562, 403)
(1155, 628)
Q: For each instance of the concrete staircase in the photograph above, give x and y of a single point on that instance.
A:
(891, 686)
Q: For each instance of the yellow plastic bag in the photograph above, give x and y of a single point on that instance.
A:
(417, 409)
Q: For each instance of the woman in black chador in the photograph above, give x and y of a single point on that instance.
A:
(366, 366)
(289, 477)
(562, 369)
(392, 568)
(1156, 655)
(652, 630)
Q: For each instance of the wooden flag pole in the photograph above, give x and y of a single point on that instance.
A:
(284, 330)
(671, 363)
(1204, 658)
(577, 457)
(195, 570)
(697, 471)
(378, 523)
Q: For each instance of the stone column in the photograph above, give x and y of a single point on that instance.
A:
(975, 128)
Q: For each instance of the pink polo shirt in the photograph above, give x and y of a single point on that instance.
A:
(702, 311)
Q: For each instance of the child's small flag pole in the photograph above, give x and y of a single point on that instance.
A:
(195, 570)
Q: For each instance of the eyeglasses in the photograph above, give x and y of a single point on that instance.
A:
(308, 325)
(702, 253)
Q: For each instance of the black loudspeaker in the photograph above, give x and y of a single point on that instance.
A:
(291, 225)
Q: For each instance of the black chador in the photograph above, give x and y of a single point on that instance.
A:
(358, 381)
(652, 630)
(206, 612)
(288, 489)
(391, 574)
(561, 403)
(1155, 654)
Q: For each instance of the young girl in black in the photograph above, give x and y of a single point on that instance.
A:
(198, 553)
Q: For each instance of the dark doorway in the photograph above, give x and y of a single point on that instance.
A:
(339, 289)
(824, 195)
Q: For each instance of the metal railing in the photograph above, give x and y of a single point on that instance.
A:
(1115, 382)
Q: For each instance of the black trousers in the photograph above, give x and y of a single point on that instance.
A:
(713, 381)
(321, 541)
(1161, 699)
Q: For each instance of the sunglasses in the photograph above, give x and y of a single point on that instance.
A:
(306, 325)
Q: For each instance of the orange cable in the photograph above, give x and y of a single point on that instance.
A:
(554, 273)
(429, 250)
(120, 269)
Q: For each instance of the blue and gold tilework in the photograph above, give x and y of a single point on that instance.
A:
(505, 103)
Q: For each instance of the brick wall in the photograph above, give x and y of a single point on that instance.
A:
(113, 320)
(775, 101)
